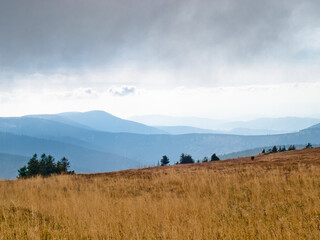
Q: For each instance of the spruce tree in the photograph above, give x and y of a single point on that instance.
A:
(164, 160)
(214, 157)
(309, 145)
(33, 166)
(205, 159)
(291, 147)
(274, 149)
(23, 172)
(186, 158)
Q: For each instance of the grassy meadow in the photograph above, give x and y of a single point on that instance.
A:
(275, 196)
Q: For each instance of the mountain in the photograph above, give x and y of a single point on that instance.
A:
(91, 150)
(315, 126)
(160, 120)
(146, 149)
(81, 159)
(59, 119)
(106, 122)
(252, 127)
(284, 125)
(184, 130)
(100, 121)
(236, 131)
(9, 164)
(249, 131)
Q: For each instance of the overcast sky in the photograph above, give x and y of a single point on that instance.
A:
(232, 59)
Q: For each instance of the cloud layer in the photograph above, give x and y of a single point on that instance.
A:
(91, 52)
(48, 36)
(232, 103)
(122, 91)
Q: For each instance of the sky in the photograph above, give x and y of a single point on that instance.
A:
(232, 59)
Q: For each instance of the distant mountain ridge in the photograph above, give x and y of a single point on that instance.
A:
(82, 159)
(161, 120)
(251, 127)
(285, 124)
(100, 121)
(92, 150)
(315, 126)
(9, 163)
(184, 130)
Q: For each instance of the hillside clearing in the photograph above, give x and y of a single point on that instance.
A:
(275, 196)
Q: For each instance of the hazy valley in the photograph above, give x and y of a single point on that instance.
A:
(97, 141)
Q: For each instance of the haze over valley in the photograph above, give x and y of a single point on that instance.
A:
(97, 141)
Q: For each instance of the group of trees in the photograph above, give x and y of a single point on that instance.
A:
(186, 158)
(45, 166)
(275, 149)
(309, 145)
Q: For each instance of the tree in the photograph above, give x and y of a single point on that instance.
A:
(282, 149)
(205, 159)
(23, 172)
(263, 151)
(33, 166)
(252, 158)
(214, 157)
(50, 166)
(291, 147)
(309, 145)
(186, 158)
(42, 165)
(164, 160)
(274, 149)
(63, 165)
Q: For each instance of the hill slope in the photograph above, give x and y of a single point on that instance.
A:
(276, 196)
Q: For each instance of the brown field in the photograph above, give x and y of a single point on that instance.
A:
(276, 196)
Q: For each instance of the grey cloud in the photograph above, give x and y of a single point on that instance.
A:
(123, 91)
(191, 35)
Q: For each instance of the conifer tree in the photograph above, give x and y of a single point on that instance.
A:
(164, 160)
(186, 158)
(309, 145)
(274, 149)
(214, 157)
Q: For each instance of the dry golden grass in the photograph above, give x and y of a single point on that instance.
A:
(276, 196)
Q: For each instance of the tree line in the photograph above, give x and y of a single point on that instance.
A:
(45, 166)
(276, 149)
(187, 158)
